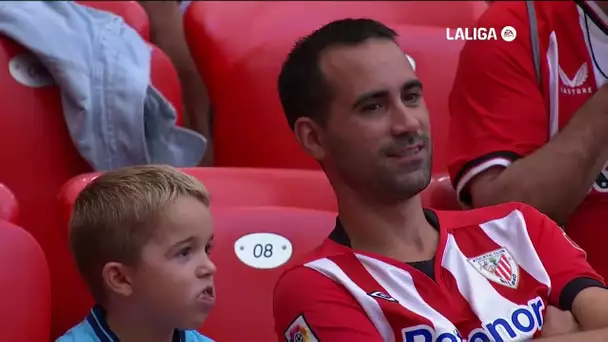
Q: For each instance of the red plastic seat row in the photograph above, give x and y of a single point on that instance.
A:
(220, 32)
(248, 62)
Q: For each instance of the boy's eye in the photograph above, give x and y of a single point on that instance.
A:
(208, 249)
(184, 252)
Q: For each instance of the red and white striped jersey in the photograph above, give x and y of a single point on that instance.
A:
(500, 113)
(495, 271)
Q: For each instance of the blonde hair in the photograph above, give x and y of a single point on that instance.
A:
(112, 218)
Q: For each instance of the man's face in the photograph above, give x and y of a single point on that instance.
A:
(174, 278)
(376, 137)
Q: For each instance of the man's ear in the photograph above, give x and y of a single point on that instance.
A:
(117, 278)
(310, 136)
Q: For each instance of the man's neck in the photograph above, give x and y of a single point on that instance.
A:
(133, 327)
(399, 231)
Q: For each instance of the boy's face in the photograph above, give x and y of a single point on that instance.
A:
(174, 279)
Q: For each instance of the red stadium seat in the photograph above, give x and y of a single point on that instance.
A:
(243, 309)
(130, 11)
(440, 194)
(9, 208)
(256, 123)
(235, 187)
(25, 298)
(219, 32)
(38, 156)
(228, 187)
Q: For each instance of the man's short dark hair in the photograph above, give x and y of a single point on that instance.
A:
(302, 88)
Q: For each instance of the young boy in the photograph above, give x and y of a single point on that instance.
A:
(141, 238)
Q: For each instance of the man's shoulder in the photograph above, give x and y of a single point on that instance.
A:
(195, 336)
(327, 249)
(463, 219)
(82, 332)
(301, 270)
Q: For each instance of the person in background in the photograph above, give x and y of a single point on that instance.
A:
(391, 270)
(141, 238)
(167, 32)
(537, 132)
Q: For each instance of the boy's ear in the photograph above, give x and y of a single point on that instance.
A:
(117, 278)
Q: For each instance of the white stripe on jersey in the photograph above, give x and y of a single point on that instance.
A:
(399, 284)
(511, 232)
(553, 63)
(369, 304)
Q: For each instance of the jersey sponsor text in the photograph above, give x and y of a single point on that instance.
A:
(520, 324)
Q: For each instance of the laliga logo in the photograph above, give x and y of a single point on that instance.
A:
(508, 33)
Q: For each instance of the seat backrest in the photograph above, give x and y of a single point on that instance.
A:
(256, 123)
(220, 32)
(252, 247)
(130, 11)
(25, 309)
(9, 208)
(238, 187)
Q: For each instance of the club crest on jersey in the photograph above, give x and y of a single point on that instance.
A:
(498, 266)
(299, 331)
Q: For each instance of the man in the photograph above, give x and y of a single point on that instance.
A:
(390, 270)
(542, 141)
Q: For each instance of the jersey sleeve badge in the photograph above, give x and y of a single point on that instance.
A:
(497, 266)
(299, 331)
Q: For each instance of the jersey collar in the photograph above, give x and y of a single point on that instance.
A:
(97, 320)
(339, 234)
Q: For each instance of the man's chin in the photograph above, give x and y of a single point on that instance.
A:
(413, 183)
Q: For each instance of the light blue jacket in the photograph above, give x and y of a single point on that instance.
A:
(114, 116)
(94, 328)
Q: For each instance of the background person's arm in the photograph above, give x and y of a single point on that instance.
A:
(499, 128)
(167, 32)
